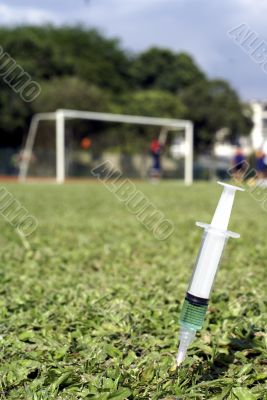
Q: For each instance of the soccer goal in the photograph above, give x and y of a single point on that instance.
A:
(57, 138)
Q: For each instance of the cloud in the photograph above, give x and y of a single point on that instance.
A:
(15, 14)
(120, 7)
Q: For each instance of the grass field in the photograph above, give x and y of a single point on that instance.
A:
(91, 310)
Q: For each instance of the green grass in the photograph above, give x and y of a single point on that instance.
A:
(91, 311)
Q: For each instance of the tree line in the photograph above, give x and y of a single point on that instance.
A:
(80, 68)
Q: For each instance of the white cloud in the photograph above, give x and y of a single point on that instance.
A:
(128, 7)
(252, 10)
(115, 10)
(12, 15)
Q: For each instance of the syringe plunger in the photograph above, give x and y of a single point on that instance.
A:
(222, 213)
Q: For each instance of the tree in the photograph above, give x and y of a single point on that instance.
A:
(46, 52)
(214, 105)
(164, 70)
(71, 93)
(15, 115)
(153, 103)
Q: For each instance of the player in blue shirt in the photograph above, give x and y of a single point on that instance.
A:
(239, 163)
(261, 165)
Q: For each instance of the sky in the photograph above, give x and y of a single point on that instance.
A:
(198, 27)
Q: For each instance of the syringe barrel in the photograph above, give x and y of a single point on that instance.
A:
(197, 297)
(207, 263)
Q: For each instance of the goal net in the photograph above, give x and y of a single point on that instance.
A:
(69, 144)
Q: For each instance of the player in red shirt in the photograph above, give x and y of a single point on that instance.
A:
(155, 150)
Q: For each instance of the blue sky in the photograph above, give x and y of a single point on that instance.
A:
(196, 26)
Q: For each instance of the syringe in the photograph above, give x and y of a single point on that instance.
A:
(197, 297)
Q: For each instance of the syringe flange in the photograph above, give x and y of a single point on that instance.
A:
(211, 229)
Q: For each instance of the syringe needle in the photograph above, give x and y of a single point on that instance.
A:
(186, 338)
(180, 357)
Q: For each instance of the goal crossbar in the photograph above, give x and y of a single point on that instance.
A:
(61, 115)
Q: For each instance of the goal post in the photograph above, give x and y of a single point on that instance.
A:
(61, 116)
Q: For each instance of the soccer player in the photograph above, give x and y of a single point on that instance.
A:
(239, 163)
(261, 164)
(85, 143)
(155, 150)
